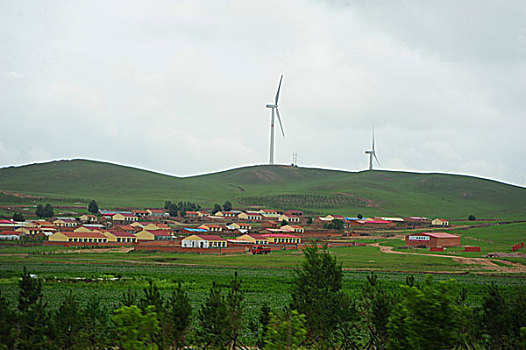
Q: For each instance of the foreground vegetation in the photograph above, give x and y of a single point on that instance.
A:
(318, 306)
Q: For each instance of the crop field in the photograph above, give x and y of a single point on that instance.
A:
(261, 285)
(308, 201)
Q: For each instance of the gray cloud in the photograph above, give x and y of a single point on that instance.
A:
(181, 87)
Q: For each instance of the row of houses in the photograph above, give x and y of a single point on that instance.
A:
(214, 241)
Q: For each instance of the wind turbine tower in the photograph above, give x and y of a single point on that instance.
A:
(275, 110)
(372, 154)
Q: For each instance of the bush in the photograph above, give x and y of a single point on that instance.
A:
(472, 217)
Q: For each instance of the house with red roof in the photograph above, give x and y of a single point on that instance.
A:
(10, 235)
(432, 239)
(252, 238)
(293, 228)
(211, 228)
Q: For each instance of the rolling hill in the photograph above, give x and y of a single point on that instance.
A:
(375, 192)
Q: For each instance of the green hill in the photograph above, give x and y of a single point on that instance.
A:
(313, 190)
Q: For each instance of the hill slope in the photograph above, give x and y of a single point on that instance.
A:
(314, 190)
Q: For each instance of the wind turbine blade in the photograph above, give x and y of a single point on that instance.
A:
(280, 125)
(279, 88)
(373, 139)
(377, 161)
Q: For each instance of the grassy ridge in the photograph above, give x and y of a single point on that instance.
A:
(316, 190)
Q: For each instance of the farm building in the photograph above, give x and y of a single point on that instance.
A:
(204, 241)
(282, 238)
(298, 213)
(369, 224)
(432, 239)
(157, 213)
(440, 222)
(88, 218)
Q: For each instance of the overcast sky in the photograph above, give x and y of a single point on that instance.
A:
(180, 87)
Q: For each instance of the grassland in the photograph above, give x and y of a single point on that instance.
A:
(313, 190)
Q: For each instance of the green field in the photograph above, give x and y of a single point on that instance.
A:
(378, 193)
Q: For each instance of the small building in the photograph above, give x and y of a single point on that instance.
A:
(432, 239)
(191, 215)
(289, 218)
(124, 218)
(11, 235)
(203, 214)
(227, 214)
(282, 238)
(86, 218)
(269, 224)
(154, 235)
(440, 222)
(252, 238)
(119, 236)
(293, 228)
(250, 216)
(204, 241)
(65, 222)
(211, 228)
(157, 213)
(140, 213)
(238, 226)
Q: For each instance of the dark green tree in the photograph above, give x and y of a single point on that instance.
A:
(337, 224)
(167, 205)
(7, 324)
(217, 208)
(472, 217)
(68, 324)
(431, 306)
(128, 298)
(18, 217)
(96, 326)
(93, 207)
(376, 307)
(152, 297)
(136, 329)
(309, 220)
(285, 330)
(317, 293)
(284, 222)
(227, 206)
(234, 308)
(173, 209)
(213, 331)
(48, 211)
(177, 318)
(33, 318)
(40, 211)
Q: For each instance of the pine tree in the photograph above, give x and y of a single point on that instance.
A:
(177, 318)
(33, 318)
(213, 331)
(234, 300)
(93, 207)
(48, 211)
(96, 325)
(68, 324)
(7, 322)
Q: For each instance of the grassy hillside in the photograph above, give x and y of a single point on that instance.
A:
(314, 190)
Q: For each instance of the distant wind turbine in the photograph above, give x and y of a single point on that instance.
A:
(372, 154)
(274, 107)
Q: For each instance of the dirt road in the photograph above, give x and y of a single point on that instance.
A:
(487, 264)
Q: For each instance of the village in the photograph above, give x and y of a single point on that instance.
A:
(220, 231)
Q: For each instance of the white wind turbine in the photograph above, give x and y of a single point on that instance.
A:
(372, 154)
(274, 107)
